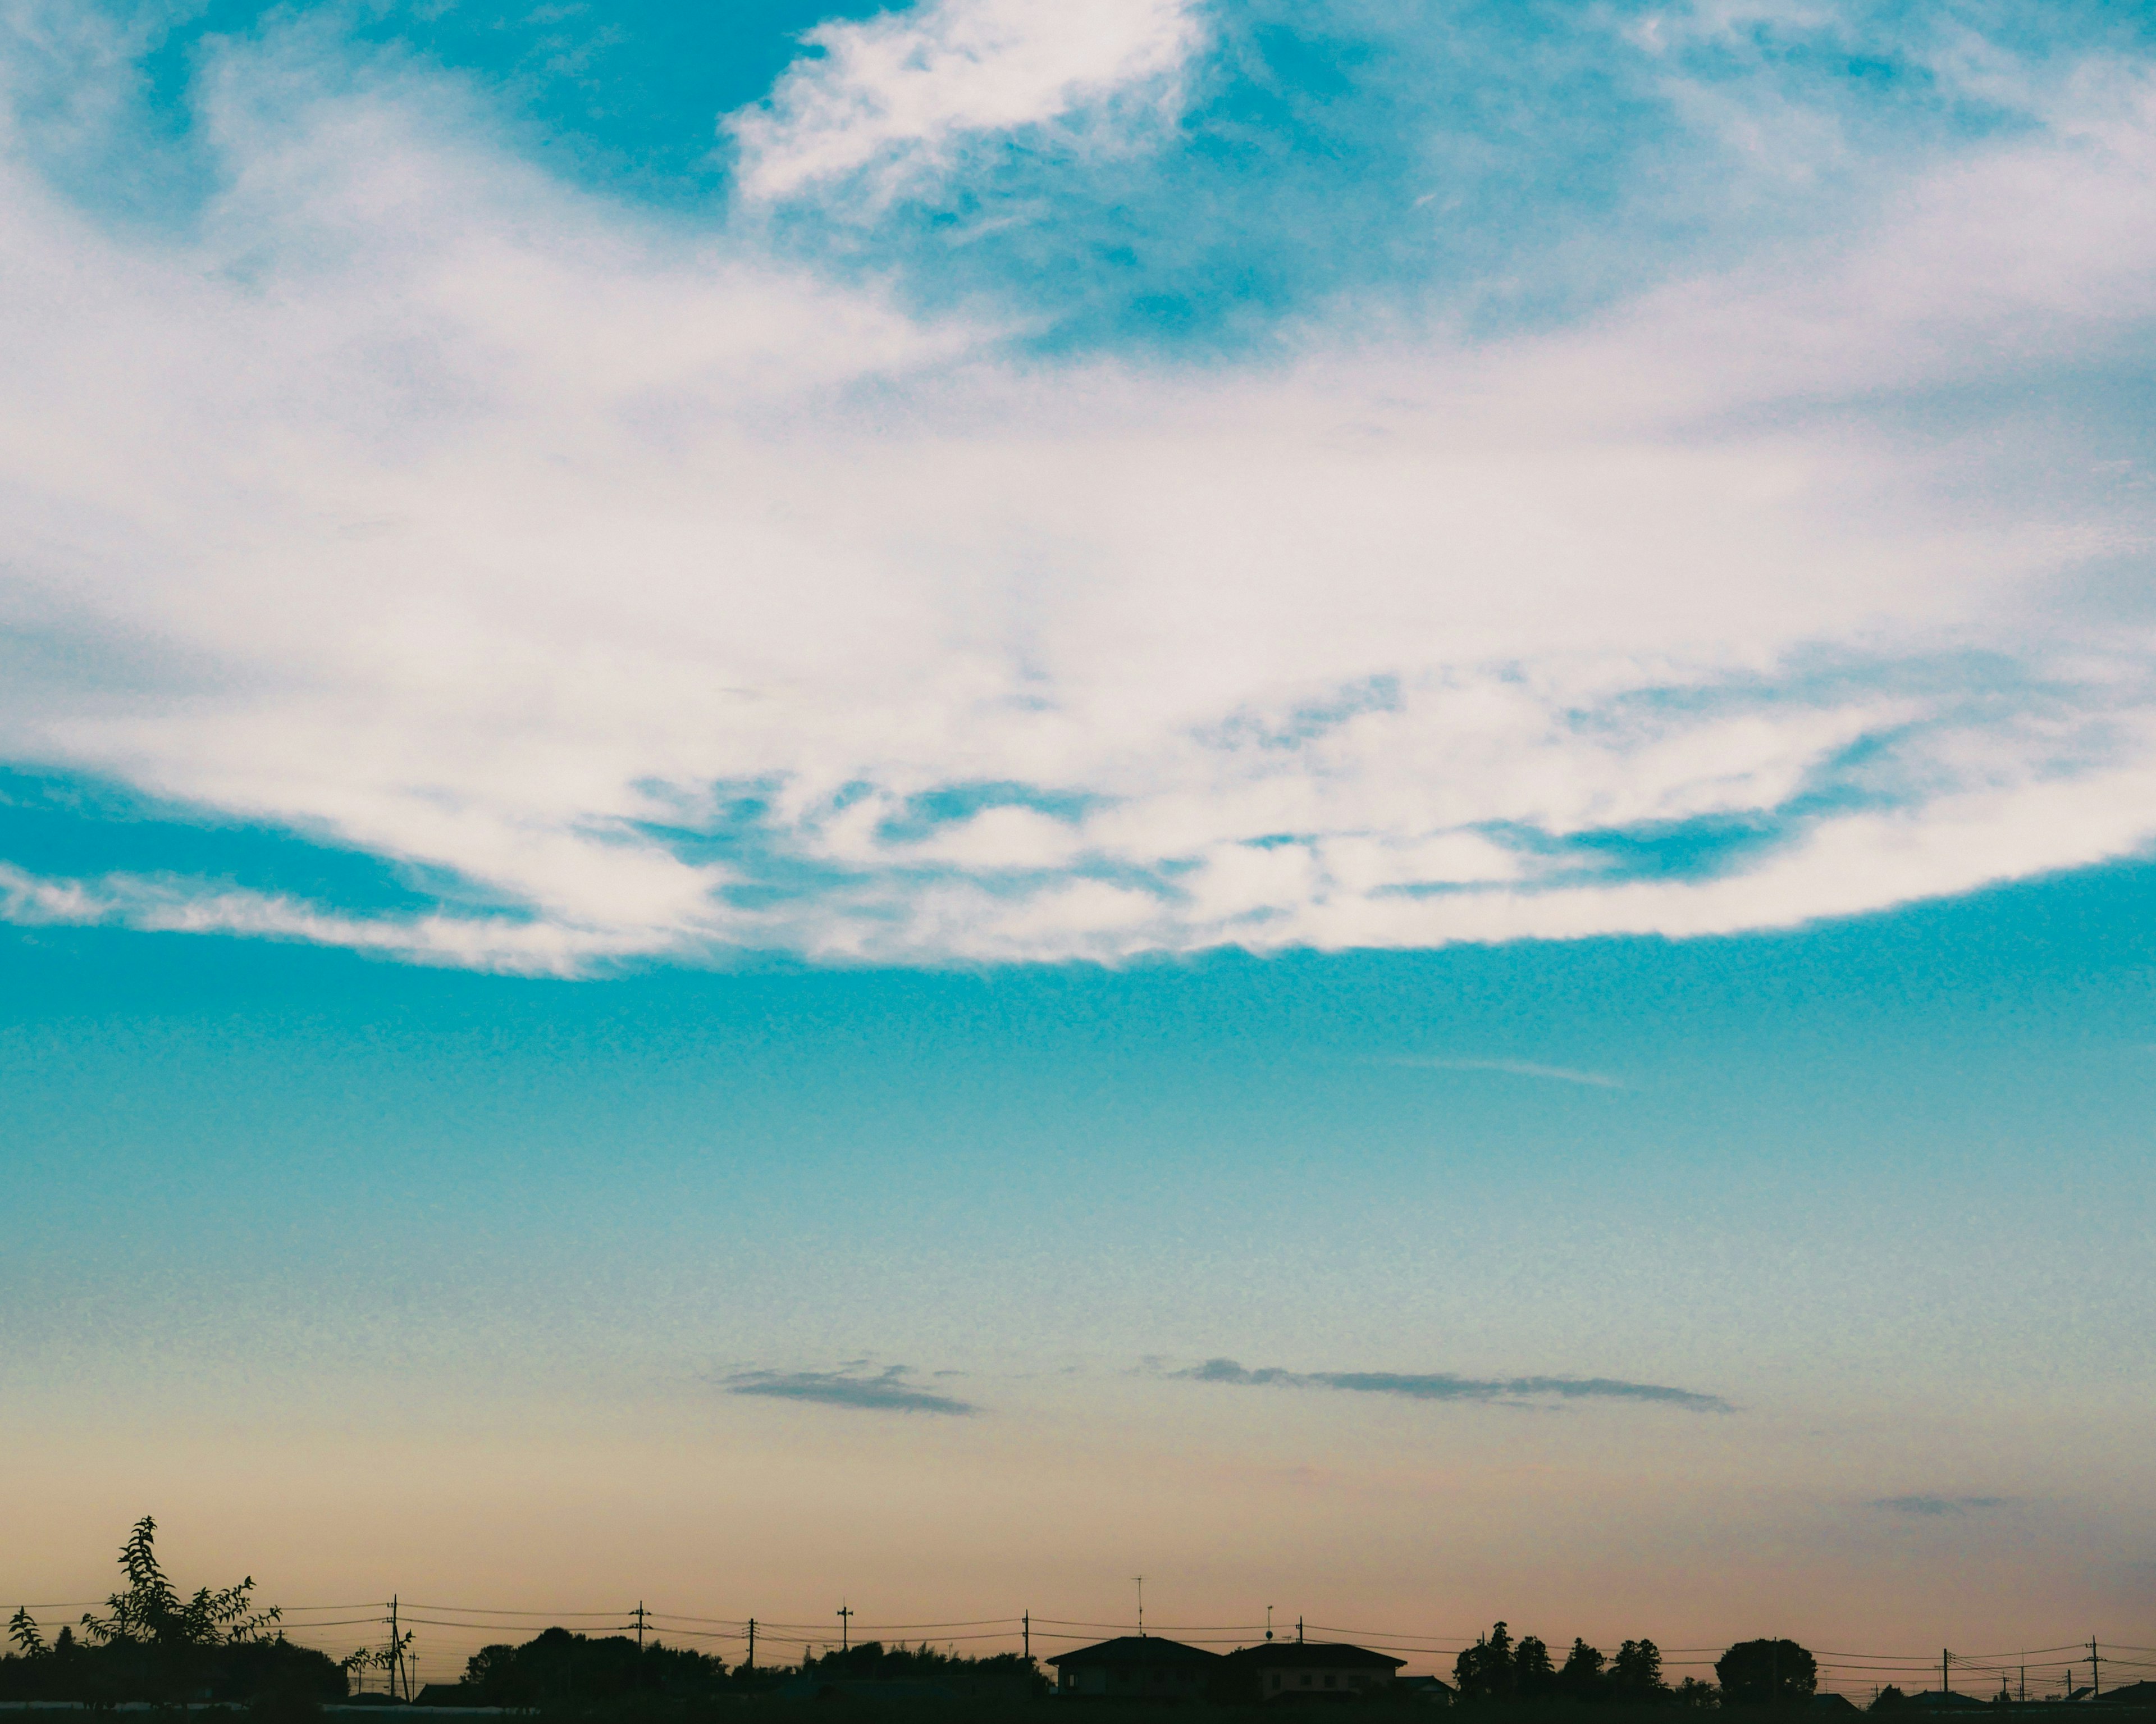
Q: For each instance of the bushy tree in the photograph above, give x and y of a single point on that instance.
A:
(872, 1661)
(557, 1668)
(151, 1613)
(1766, 1673)
(155, 1642)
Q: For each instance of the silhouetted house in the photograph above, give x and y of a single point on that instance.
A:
(1135, 1667)
(1433, 1691)
(2133, 1694)
(1935, 1701)
(1311, 1669)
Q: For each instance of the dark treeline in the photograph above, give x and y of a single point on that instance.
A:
(558, 1668)
(872, 1661)
(1752, 1673)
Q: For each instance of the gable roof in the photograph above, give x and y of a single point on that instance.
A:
(1136, 1650)
(1312, 1655)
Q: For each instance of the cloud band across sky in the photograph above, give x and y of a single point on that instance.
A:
(1443, 1386)
(628, 587)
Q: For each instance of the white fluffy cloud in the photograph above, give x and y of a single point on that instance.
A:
(899, 92)
(664, 597)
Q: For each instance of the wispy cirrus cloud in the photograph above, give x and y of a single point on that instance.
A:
(885, 1391)
(665, 594)
(895, 95)
(1513, 1068)
(1443, 1386)
(1938, 1506)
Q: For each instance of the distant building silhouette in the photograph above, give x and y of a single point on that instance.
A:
(1314, 1669)
(1135, 1667)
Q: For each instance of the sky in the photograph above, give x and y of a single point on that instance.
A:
(1351, 801)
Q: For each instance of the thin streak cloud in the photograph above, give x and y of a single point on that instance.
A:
(886, 1391)
(1938, 1506)
(1516, 1068)
(1443, 1386)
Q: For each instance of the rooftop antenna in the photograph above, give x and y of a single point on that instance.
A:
(1140, 1580)
(1268, 1622)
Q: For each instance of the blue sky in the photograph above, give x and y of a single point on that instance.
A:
(1284, 774)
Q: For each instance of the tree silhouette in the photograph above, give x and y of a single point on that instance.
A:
(1581, 1678)
(1637, 1672)
(1766, 1673)
(555, 1667)
(151, 1611)
(22, 1630)
(154, 1642)
(1486, 1668)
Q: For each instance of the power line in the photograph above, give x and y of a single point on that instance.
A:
(489, 1610)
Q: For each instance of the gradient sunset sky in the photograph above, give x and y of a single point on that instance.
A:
(1348, 801)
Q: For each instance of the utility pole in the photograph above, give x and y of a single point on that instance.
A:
(395, 1650)
(1268, 1622)
(750, 1664)
(1025, 1628)
(639, 1614)
(1298, 1631)
(2096, 1674)
(2025, 1685)
(1140, 1579)
(845, 1624)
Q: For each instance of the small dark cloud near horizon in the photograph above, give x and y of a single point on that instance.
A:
(886, 1391)
(1443, 1386)
(1936, 1505)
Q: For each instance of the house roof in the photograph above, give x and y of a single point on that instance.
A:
(1312, 1656)
(1135, 1650)
(2133, 1694)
